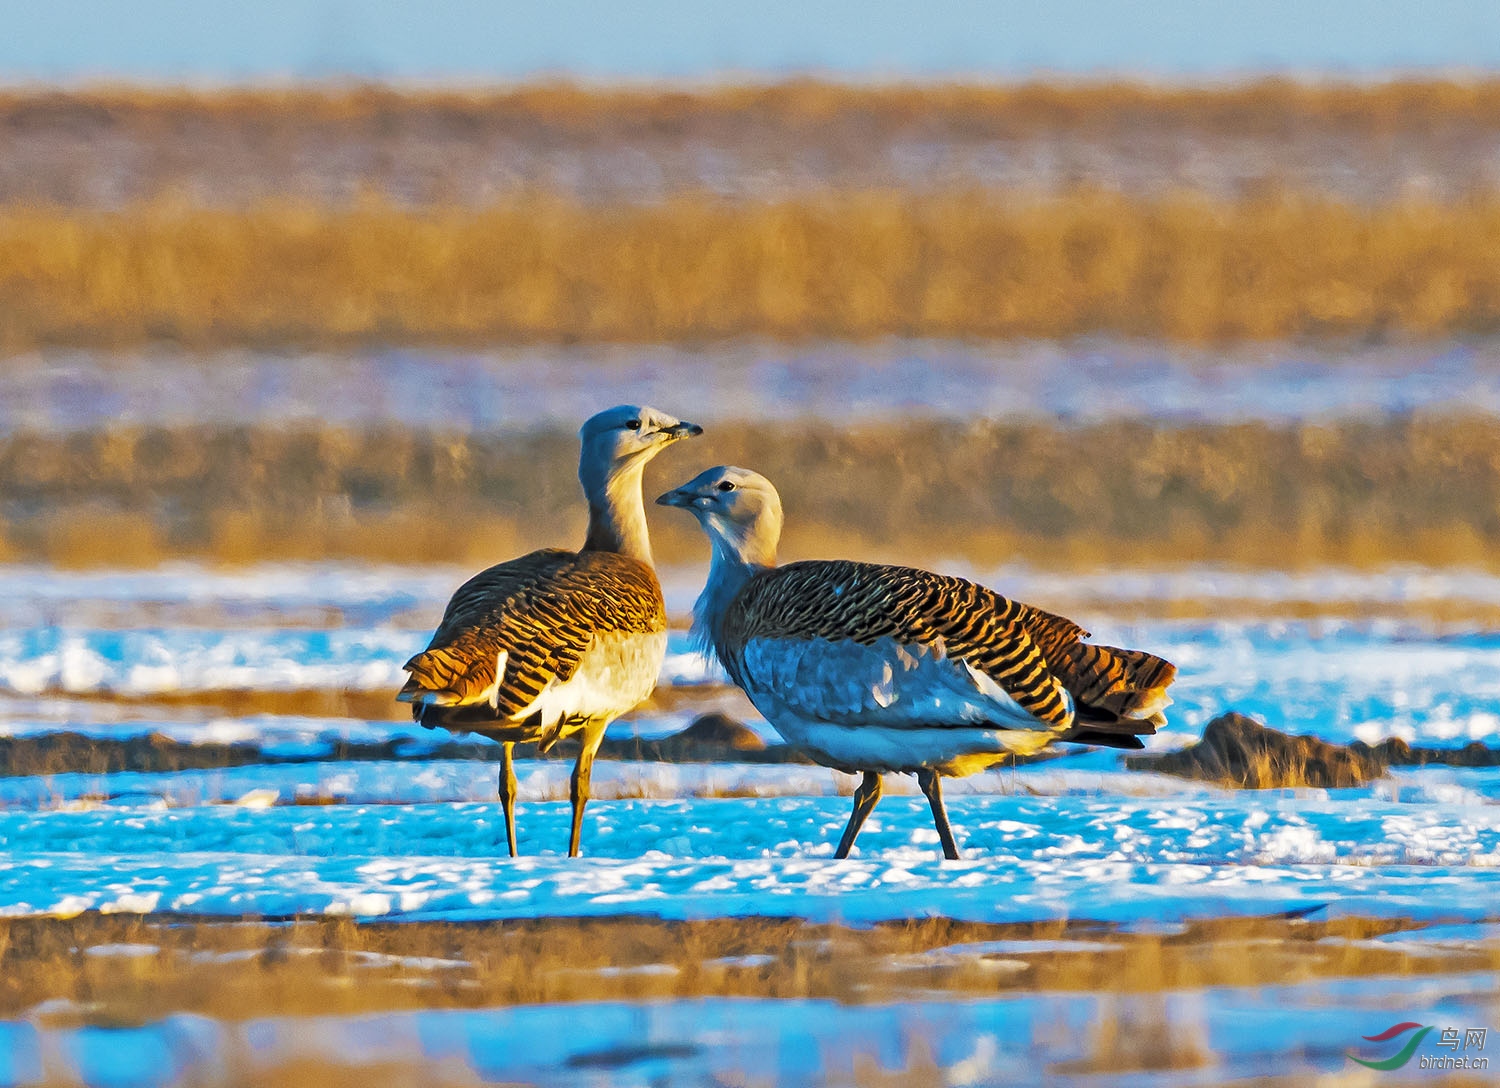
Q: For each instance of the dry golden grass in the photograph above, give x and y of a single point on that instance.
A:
(1392, 104)
(241, 970)
(1420, 489)
(809, 108)
(116, 972)
(540, 268)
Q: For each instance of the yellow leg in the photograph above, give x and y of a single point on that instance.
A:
(583, 770)
(508, 793)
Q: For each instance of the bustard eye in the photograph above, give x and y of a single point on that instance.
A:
(725, 485)
(633, 424)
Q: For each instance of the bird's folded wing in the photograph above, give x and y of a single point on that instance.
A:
(876, 636)
(883, 683)
(535, 617)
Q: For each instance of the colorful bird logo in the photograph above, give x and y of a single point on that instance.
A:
(1402, 1056)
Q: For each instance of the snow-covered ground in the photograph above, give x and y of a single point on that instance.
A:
(1338, 679)
(349, 628)
(1075, 838)
(1091, 854)
(422, 838)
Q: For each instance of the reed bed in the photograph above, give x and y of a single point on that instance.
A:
(110, 972)
(845, 265)
(995, 107)
(108, 147)
(1417, 489)
(310, 966)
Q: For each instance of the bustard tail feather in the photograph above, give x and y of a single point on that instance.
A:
(1114, 688)
(447, 676)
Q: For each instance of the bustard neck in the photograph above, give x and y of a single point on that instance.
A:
(617, 515)
(729, 568)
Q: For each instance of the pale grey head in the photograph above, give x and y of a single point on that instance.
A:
(626, 435)
(738, 509)
(616, 445)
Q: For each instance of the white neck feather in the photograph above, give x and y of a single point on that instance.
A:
(617, 515)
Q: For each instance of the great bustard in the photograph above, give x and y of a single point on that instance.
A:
(558, 642)
(872, 668)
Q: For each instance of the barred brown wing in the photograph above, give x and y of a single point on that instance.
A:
(542, 611)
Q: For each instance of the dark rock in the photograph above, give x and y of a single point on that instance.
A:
(716, 728)
(712, 738)
(1395, 752)
(1240, 751)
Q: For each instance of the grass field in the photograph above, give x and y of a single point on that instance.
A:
(277, 994)
(1211, 370)
(1425, 489)
(111, 147)
(556, 214)
(853, 264)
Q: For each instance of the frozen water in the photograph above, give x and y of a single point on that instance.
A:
(336, 594)
(1341, 680)
(1075, 838)
(523, 388)
(1299, 1029)
(146, 661)
(1096, 855)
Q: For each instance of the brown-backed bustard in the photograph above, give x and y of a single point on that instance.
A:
(559, 642)
(874, 669)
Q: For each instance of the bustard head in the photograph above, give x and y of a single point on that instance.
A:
(738, 509)
(617, 443)
(625, 436)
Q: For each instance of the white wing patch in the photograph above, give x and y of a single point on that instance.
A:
(616, 672)
(885, 684)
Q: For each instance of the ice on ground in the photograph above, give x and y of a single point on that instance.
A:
(1336, 679)
(1073, 838)
(415, 782)
(153, 661)
(1026, 859)
(519, 389)
(360, 594)
(1185, 1038)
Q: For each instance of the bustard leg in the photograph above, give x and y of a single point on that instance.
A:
(508, 793)
(932, 785)
(864, 800)
(583, 770)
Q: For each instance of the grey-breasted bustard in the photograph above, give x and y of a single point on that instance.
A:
(559, 642)
(872, 668)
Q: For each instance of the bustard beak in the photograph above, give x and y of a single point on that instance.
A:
(678, 496)
(681, 429)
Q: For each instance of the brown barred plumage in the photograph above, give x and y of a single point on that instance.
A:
(543, 611)
(557, 643)
(1034, 655)
(881, 669)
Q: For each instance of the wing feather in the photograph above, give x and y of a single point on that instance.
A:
(538, 614)
(1033, 657)
(838, 601)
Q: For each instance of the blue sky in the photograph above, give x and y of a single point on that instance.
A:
(480, 41)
